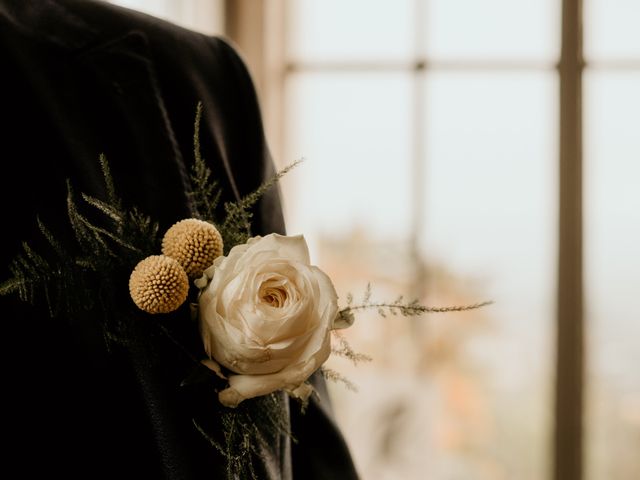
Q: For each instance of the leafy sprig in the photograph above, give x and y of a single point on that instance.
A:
(335, 376)
(343, 349)
(401, 307)
(398, 307)
(206, 193)
(248, 430)
(236, 226)
(74, 278)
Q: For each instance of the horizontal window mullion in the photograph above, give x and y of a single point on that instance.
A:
(418, 65)
(620, 65)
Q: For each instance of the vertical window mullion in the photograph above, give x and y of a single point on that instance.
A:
(569, 382)
(419, 151)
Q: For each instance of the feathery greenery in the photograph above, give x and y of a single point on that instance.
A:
(334, 376)
(249, 429)
(75, 278)
(384, 309)
(235, 229)
(206, 194)
(401, 307)
(344, 350)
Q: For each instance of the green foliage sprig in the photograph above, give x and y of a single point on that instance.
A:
(401, 307)
(398, 307)
(76, 278)
(236, 226)
(248, 430)
(206, 192)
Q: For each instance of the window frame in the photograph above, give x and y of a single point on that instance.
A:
(270, 67)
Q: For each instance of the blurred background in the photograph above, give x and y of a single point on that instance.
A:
(457, 151)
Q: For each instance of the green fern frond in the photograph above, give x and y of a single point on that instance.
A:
(205, 196)
(51, 240)
(345, 350)
(236, 228)
(247, 430)
(141, 231)
(11, 285)
(78, 224)
(101, 234)
(71, 278)
(37, 261)
(108, 209)
(335, 376)
(112, 198)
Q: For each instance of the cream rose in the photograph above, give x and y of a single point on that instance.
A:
(266, 315)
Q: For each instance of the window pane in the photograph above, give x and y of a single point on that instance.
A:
(353, 131)
(611, 29)
(350, 29)
(490, 223)
(493, 29)
(612, 193)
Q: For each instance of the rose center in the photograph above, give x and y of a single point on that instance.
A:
(274, 296)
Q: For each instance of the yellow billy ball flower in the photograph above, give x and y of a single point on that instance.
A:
(194, 243)
(158, 284)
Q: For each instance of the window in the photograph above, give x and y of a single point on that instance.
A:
(429, 131)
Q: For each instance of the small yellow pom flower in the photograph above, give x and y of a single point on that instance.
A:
(158, 284)
(194, 243)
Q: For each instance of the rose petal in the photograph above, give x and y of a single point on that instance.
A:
(292, 247)
(243, 387)
(303, 392)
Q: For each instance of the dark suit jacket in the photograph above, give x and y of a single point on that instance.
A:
(83, 77)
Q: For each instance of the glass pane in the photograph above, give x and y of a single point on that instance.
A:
(611, 29)
(490, 232)
(493, 29)
(353, 132)
(350, 29)
(612, 171)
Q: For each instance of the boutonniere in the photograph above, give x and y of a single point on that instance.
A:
(265, 313)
